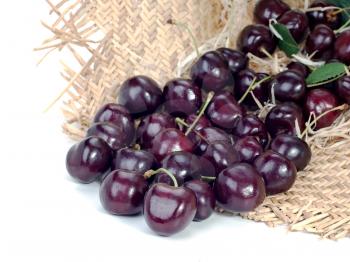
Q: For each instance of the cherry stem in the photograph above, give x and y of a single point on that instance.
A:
(201, 112)
(182, 122)
(263, 50)
(208, 177)
(151, 172)
(347, 71)
(137, 147)
(251, 88)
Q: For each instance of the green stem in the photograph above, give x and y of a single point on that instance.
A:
(208, 177)
(150, 173)
(252, 86)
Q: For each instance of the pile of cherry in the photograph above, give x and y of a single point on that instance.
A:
(174, 153)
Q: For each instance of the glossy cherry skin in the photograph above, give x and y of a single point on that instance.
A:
(297, 23)
(89, 159)
(141, 95)
(288, 86)
(251, 125)
(129, 159)
(343, 88)
(269, 9)
(299, 68)
(254, 38)
(239, 188)
(150, 126)
(293, 148)
(330, 17)
(205, 198)
(211, 72)
(243, 80)
(342, 47)
(321, 42)
(248, 149)
(168, 141)
(169, 210)
(320, 101)
(278, 172)
(207, 136)
(114, 135)
(118, 115)
(237, 61)
(122, 192)
(282, 118)
(181, 97)
(221, 155)
(224, 111)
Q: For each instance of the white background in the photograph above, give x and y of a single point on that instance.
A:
(44, 216)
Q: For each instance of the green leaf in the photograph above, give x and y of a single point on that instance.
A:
(287, 44)
(342, 4)
(326, 73)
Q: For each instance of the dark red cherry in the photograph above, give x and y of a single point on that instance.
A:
(89, 159)
(114, 135)
(141, 95)
(320, 42)
(133, 160)
(342, 47)
(251, 125)
(224, 111)
(207, 136)
(221, 155)
(248, 149)
(168, 141)
(150, 126)
(278, 172)
(122, 192)
(297, 23)
(299, 68)
(330, 17)
(239, 188)
(237, 61)
(319, 101)
(243, 80)
(181, 97)
(169, 210)
(211, 72)
(293, 148)
(343, 88)
(288, 86)
(205, 198)
(269, 9)
(282, 119)
(254, 38)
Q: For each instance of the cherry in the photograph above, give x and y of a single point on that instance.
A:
(299, 68)
(269, 9)
(320, 42)
(244, 80)
(221, 155)
(343, 88)
(251, 125)
(207, 136)
(288, 86)
(112, 134)
(133, 160)
(296, 22)
(330, 17)
(248, 148)
(205, 198)
(319, 101)
(168, 141)
(278, 172)
(211, 72)
(122, 192)
(223, 110)
(239, 188)
(141, 95)
(181, 97)
(293, 148)
(89, 159)
(169, 210)
(237, 61)
(282, 119)
(150, 126)
(254, 38)
(342, 47)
